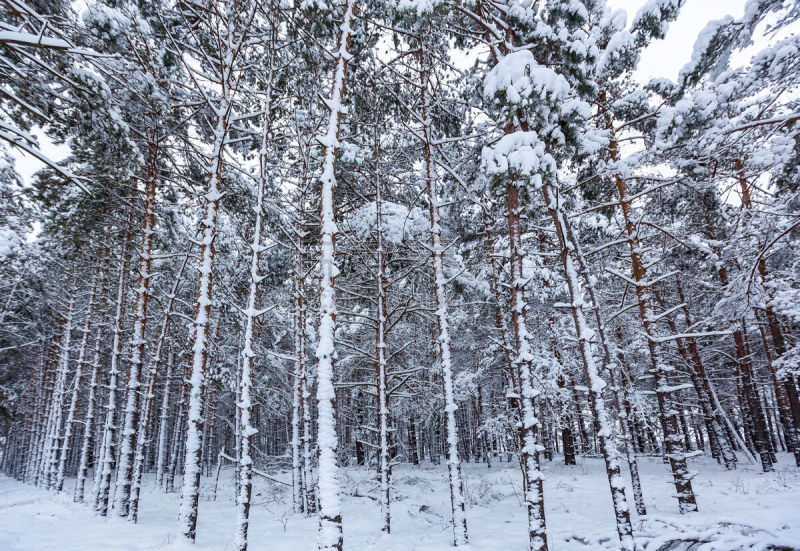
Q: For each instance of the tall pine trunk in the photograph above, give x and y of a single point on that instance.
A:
(190, 494)
(523, 366)
(457, 501)
(147, 408)
(381, 361)
(105, 469)
(91, 400)
(52, 445)
(244, 406)
(76, 384)
(664, 394)
(330, 515)
(572, 260)
(163, 421)
(778, 341)
(122, 492)
(301, 416)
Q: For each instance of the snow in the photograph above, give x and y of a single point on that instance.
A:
(651, 9)
(421, 7)
(617, 45)
(777, 58)
(398, 222)
(522, 153)
(29, 39)
(703, 42)
(107, 19)
(10, 242)
(523, 80)
(744, 504)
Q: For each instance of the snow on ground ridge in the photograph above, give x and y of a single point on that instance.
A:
(744, 510)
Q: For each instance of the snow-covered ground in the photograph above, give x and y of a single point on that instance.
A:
(744, 507)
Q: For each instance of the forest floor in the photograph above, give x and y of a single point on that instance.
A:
(743, 509)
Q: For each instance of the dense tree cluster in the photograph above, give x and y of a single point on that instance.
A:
(301, 235)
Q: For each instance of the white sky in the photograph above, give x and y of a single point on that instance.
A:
(661, 59)
(27, 165)
(664, 58)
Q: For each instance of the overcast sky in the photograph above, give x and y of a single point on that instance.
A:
(662, 59)
(665, 58)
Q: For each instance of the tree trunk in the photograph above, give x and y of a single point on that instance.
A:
(52, 445)
(88, 424)
(720, 447)
(330, 515)
(100, 494)
(244, 406)
(149, 397)
(595, 383)
(190, 494)
(122, 492)
(178, 429)
(457, 502)
(774, 325)
(163, 425)
(533, 479)
(76, 382)
(300, 482)
(380, 360)
(667, 412)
